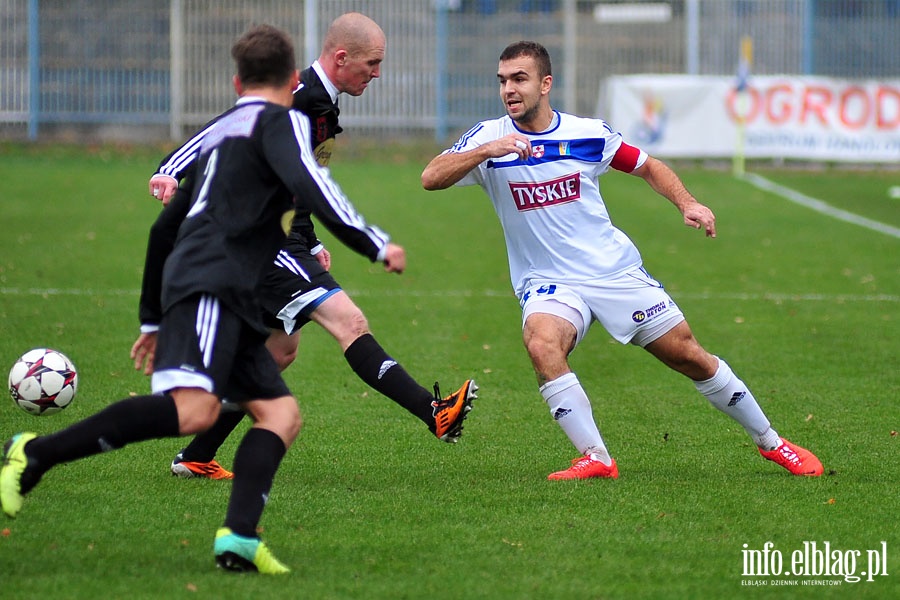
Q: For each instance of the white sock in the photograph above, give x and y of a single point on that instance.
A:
(730, 395)
(570, 407)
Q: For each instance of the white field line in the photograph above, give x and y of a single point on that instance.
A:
(819, 206)
(506, 294)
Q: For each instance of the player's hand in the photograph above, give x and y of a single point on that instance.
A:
(699, 216)
(514, 143)
(163, 187)
(394, 259)
(143, 351)
(324, 258)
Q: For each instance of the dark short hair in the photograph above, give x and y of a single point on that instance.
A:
(264, 56)
(532, 49)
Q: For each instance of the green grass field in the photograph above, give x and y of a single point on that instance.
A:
(368, 505)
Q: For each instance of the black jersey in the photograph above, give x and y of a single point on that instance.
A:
(313, 100)
(251, 164)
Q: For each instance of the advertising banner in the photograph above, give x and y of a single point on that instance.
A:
(792, 117)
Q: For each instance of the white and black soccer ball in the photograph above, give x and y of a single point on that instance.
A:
(43, 381)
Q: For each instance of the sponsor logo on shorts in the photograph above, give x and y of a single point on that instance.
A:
(640, 316)
(533, 195)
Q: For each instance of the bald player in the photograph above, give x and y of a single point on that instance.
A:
(299, 288)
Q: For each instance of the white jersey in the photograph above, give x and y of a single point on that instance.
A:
(554, 220)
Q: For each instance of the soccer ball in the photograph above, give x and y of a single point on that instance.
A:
(43, 381)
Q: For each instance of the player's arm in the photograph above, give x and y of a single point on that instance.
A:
(322, 114)
(161, 241)
(448, 168)
(314, 188)
(316, 247)
(174, 167)
(666, 183)
(143, 351)
(323, 256)
(162, 187)
(303, 230)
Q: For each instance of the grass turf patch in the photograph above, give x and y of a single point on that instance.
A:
(369, 504)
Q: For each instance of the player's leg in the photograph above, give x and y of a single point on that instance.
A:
(184, 404)
(713, 377)
(635, 308)
(26, 457)
(550, 332)
(346, 323)
(277, 422)
(679, 350)
(237, 545)
(283, 346)
(299, 289)
(197, 459)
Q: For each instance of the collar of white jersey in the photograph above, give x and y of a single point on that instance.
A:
(332, 89)
(554, 124)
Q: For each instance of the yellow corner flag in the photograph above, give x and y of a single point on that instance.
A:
(742, 100)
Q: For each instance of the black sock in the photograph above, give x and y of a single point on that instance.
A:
(204, 446)
(373, 365)
(255, 463)
(131, 420)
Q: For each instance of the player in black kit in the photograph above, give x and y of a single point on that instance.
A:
(299, 287)
(211, 339)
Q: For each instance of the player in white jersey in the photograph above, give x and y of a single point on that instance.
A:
(570, 265)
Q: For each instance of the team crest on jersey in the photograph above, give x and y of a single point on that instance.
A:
(537, 151)
(321, 128)
(530, 195)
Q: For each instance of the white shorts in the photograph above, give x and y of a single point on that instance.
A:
(633, 307)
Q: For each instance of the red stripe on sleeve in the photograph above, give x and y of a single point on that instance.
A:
(626, 158)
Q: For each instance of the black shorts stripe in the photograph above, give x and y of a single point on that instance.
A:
(207, 325)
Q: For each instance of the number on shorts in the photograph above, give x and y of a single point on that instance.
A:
(544, 290)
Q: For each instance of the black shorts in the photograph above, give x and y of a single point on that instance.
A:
(203, 344)
(295, 286)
